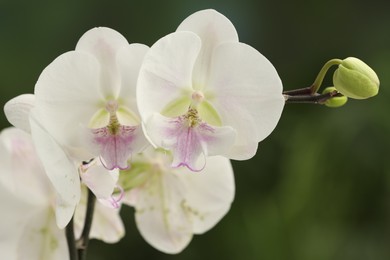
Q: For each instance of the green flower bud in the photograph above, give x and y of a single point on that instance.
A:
(355, 79)
(334, 101)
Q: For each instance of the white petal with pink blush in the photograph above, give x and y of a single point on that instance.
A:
(28, 228)
(173, 204)
(85, 107)
(86, 98)
(202, 92)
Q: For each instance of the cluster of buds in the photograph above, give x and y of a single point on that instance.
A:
(352, 79)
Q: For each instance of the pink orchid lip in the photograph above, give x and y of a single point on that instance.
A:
(115, 147)
(190, 139)
(191, 136)
(114, 140)
(191, 145)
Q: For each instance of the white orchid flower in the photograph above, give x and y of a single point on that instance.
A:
(93, 89)
(172, 204)
(202, 92)
(86, 98)
(65, 173)
(84, 107)
(28, 229)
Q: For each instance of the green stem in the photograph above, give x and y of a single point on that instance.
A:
(83, 241)
(69, 231)
(320, 77)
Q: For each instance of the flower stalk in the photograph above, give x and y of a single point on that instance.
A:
(83, 242)
(310, 95)
(78, 248)
(313, 89)
(70, 238)
(311, 98)
(320, 77)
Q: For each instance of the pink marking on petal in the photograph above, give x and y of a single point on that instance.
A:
(189, 166)
(190, 143)
(189, 138)
(115, 148)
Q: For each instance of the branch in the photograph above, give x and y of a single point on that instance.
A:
(311, 99)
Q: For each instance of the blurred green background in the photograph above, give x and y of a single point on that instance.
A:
(319, 186)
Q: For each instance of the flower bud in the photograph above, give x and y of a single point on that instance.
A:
(334, 101)
(355, 79)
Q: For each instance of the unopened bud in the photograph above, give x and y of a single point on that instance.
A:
(336, 101)
(355, 79)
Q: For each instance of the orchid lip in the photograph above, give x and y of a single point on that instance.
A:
(114, 140)
(115, 145)
(190, 139)
(187, 136)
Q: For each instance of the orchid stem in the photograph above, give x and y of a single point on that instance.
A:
(71, 241)
(309, 94)
(83, 241)
(320, 77)
(311, 99)
(298, 92)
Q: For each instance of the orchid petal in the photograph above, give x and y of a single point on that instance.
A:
(18, 109)
(12, 221)
(99, 119)
(100, 181)
(60, 169)
(6, 177)
(116, 148)
(213, 28)
(248, 95)
(130, 198)
(29, 227)
(159, 217)
(64, 211)
(22, 172)
(166, 73)
(104, 43)
(42, 239)
(210, 194)
(29, 232)
(106, 224)
(67, 96)
(190, 145)
(174, 203)
(130, 60)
